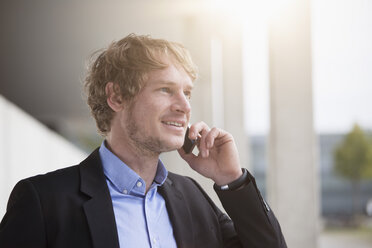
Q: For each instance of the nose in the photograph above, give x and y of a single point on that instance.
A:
(181, 103)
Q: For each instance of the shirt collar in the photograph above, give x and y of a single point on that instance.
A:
(123, 177)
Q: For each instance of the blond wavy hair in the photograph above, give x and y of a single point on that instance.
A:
(126, 63)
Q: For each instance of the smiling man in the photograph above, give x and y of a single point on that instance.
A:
(122, 195)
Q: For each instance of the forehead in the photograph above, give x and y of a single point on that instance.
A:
(173, 74)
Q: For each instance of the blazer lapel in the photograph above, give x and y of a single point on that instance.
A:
(179, 214)
(98, 209)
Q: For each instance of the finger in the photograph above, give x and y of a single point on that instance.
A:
(203, 145)
(212, 135)
(192, 160)
(197, 128)
(188, 157)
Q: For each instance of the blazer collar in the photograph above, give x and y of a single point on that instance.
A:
(100, 214)
(179, 214)
(98, 209)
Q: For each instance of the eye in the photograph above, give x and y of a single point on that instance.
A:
(165, 90)
(187, 94)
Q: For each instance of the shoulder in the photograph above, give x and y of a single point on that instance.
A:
(65, 175)
(68, 177)
(36, 188)
(50, 183)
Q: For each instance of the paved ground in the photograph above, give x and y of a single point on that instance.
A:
(361, 238)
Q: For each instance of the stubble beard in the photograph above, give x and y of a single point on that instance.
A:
(145, 145)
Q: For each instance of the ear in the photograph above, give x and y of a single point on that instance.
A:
(114, 99)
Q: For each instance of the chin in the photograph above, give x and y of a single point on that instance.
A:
(171, 146)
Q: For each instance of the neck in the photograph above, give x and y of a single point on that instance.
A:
(144, 163)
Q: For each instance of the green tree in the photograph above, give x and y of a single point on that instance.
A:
(353, 161)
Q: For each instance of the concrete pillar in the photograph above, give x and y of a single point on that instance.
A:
(234, 89)
(292, 174)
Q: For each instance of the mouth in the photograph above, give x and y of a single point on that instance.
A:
(174, 123)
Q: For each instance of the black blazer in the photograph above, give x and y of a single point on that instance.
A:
(72, 207)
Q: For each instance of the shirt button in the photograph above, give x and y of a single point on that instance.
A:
(125, 191)
(139, 184)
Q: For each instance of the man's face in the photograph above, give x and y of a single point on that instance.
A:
(157, 118)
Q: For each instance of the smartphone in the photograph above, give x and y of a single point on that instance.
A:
(188, 144)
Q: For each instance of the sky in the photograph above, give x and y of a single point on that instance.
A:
(341, 68)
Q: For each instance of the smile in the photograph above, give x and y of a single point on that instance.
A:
(172, 123)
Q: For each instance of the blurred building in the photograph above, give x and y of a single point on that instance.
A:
(47, 43)
(336, 192)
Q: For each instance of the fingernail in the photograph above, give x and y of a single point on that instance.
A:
(192, 135)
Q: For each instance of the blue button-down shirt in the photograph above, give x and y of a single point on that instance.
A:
(142, 219)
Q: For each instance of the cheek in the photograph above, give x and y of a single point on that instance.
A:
(154, 108)
(147, 115)
(151, 109)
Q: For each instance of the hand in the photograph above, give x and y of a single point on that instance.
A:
(218, 157)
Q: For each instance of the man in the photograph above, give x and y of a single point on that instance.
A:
(122, 196)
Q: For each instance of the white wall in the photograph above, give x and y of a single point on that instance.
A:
(28, 148)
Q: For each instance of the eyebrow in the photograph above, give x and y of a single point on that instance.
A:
(190, 87)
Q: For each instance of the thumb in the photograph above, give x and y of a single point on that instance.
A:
(188, 157)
